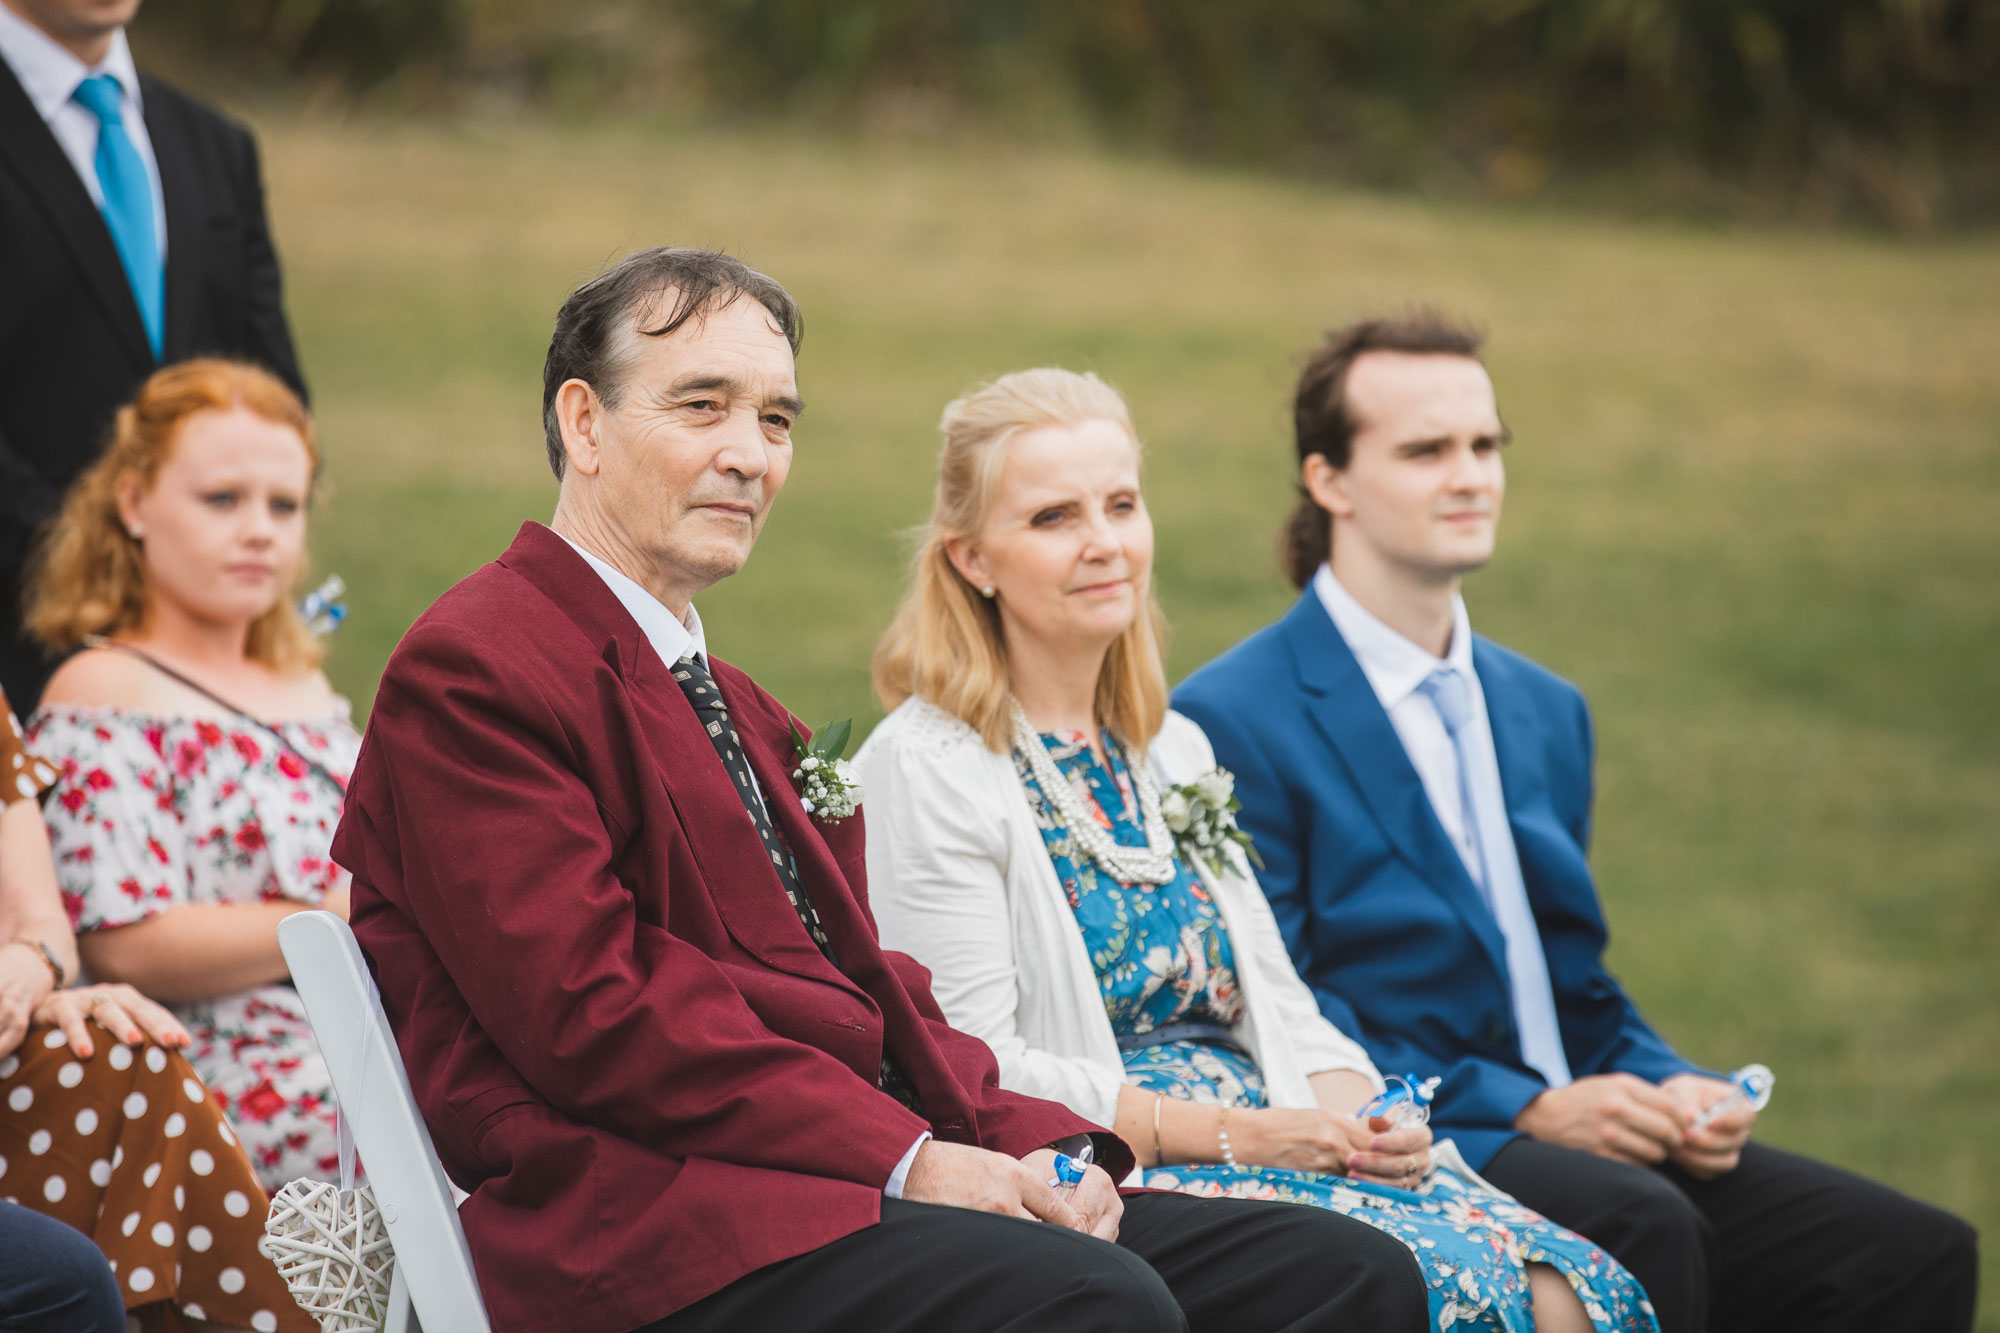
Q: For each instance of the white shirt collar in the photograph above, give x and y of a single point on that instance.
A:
(671, 638)
(49, 74)
(1394, 665)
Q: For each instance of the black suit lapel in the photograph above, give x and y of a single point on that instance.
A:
(180, 186)
(1342, 704)
(48, 178)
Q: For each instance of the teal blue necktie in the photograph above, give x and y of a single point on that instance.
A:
(128, 203)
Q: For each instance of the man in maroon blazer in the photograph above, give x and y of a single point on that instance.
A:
(637, 985)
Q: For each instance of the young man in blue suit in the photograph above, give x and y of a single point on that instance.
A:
(1421, 800)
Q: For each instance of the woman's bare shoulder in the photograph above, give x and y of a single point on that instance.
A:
(101, 678)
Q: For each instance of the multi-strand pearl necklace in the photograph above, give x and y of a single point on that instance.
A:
(1151, 864)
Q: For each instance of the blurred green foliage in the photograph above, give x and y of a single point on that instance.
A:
(1819, 109)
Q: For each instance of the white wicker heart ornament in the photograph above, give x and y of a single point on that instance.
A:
(330, 1247)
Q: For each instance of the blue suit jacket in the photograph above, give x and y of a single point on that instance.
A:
(1379, 913)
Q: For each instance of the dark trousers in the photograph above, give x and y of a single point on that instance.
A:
(1180, 1263)
(1780, 1243)
(52, 1277)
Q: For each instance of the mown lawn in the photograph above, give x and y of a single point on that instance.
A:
(1755, 506)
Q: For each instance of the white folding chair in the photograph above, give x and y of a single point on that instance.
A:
(433, 1289)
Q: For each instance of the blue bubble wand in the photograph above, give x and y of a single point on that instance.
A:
(1749, 1086)
(1070, 1171)
(1404, 1101)
(322, 609)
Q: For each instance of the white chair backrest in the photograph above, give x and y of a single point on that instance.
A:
(433, 1263)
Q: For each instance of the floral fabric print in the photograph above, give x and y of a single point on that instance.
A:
(1160, 952)
(150, 813)
(1162, 956)
(23, 777)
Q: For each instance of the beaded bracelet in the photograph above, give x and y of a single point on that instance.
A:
(1222, 1135)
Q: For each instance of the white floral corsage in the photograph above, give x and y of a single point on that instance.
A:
(829, 788)
(1202, 817)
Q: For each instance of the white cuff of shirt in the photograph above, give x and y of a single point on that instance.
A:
(894, 1189)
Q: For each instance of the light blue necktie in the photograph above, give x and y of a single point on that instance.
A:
(128, 203)
(1500, 883)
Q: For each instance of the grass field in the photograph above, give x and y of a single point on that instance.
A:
(1755, 507)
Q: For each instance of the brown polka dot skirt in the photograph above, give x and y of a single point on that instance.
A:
(129, 1148)
(22, 776)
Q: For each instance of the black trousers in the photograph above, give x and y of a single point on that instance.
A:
(1781, 1243)
(1225, 1265)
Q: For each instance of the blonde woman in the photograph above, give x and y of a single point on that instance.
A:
(1017, 847)
(203, 756)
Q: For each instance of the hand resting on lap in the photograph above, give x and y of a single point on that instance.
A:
(959, 1176)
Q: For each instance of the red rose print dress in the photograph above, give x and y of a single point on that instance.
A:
(150, 813)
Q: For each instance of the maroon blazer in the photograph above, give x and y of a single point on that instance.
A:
(625, 1044)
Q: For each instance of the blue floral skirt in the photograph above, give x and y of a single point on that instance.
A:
(1474, 1246)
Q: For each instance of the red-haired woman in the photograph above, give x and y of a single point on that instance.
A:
(203, 756)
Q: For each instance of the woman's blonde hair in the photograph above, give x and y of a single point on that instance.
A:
(88, 577)
(946, 644)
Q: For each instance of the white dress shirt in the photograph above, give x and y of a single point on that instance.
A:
(1395, 667)
(49, 75)
(673, 638)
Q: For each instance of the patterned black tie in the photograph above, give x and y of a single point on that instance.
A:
(706, 698)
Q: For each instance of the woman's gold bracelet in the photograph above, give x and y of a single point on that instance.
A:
(1159, 1153)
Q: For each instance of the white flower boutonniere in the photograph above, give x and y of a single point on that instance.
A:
(828, 786)
(1202, 817)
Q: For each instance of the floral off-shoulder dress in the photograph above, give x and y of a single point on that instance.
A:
(1162, 956)
(149, 813)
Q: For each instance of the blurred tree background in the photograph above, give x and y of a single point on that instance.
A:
(1884, 111)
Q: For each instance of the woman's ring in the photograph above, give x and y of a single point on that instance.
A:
(99, 999)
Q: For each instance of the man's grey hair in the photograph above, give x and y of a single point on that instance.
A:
(598, 326)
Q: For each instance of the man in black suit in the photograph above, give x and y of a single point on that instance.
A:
(132, 234)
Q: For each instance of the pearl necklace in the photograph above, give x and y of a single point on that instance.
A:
(1151, 864)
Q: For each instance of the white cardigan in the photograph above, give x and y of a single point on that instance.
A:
(960, 879)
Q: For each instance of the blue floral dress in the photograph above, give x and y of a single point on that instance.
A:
(1162, 956)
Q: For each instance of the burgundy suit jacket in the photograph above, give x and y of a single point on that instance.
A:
(625, 1044)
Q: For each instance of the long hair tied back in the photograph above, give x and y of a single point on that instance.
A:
(87, 575)
(946, 644)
